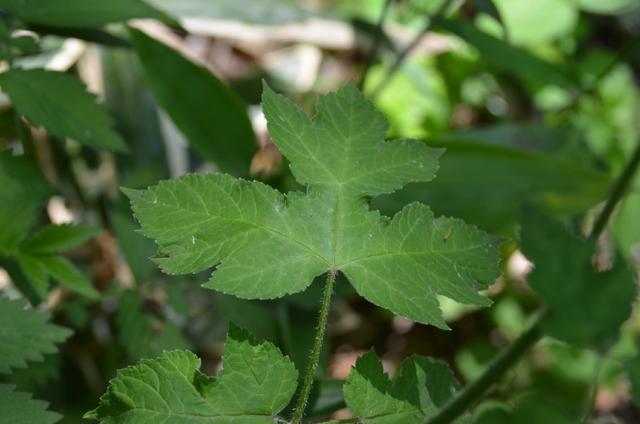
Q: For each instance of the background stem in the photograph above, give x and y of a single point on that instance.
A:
(307, 382)
(375, 45)
(464, 399)
(497, 368)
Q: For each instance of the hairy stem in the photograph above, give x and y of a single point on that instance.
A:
(497, 368)
(377, 38)
(310, 372)
(619, 190)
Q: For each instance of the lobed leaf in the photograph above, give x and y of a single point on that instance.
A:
(256, 383)
(25, 335)
(265, 244)
(60, 104)
(422, 386)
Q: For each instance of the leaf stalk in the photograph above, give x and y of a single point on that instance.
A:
(314, 358)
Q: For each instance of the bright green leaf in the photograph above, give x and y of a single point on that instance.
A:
(58, 238)
(255, 384)
(266, 244)
(586, 307)
(25, 335)
(19, 408)
(422, 386)
(22, 188)
(61, 104)
(65, 273)
(211, 116)
(80, 13)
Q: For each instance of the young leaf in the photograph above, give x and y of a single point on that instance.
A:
(266, 244)
(58, 238)
(36, 273)
(586, 307)
(60, 104)
(23, 188)
(25, 335)
(256, 382)
(211, 116)
(80, 14)
(19, 408)
(422, 386)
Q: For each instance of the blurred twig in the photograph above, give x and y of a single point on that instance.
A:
(404, 53)
(375, 46)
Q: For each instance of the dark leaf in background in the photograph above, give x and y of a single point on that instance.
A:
(586, 308)
(487, 185)
(23, 188)
(20, 408)
(211, 116)
(93, 35)
(61, 104)
(264, 12)
(506, 57)
(80, 13)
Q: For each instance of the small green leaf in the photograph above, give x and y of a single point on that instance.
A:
(25, 335)
(58, 238)
(422, 386)
(80, 13)
(19, 408)
(36, 274)
(211, 116)
(586, 308)
(69, 276)
(265, 244)
(256, 382)
(61, 104)
(22, 188)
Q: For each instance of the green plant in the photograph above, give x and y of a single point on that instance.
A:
(333, 286)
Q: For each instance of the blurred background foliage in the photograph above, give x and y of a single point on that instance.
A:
(537, 103)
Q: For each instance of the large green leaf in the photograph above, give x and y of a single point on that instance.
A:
(25, 335)
(506, 57)
(23, 188)
(266, 244)
(487, 185)
(60, 104)
(255, 384)
(422, 386)
(586, 308)
(80, 13)
(19, 408)
(213, 119)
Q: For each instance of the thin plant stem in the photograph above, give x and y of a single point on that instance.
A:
(617, 192)
(409, 48)
(464, 399)
(314, 358)
(375, 46)
(593, 390)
